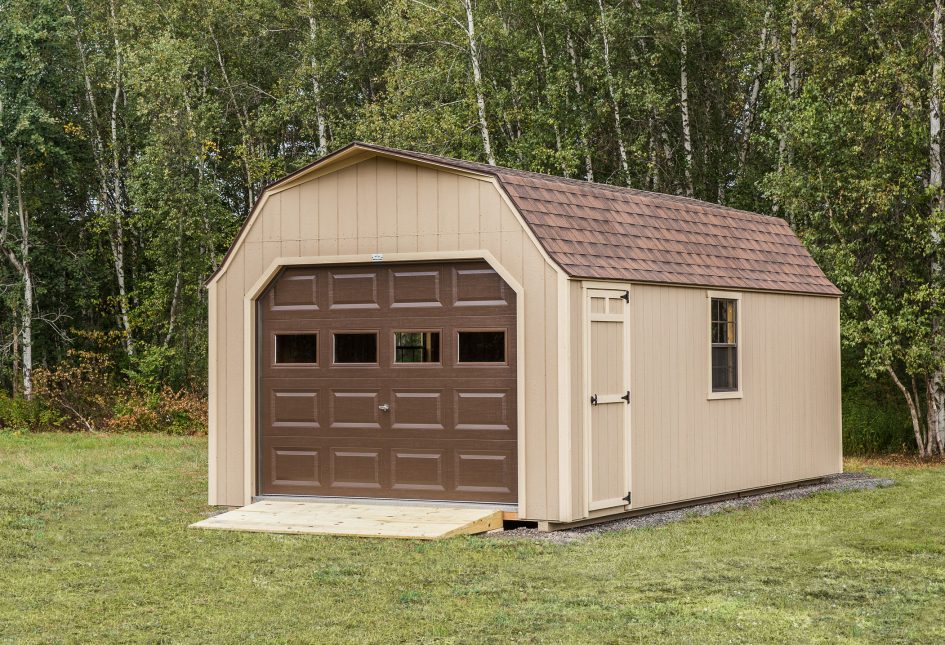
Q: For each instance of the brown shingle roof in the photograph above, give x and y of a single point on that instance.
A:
(615, 233)
(609, 232)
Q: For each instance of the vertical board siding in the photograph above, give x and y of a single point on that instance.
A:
(386, 206)
(784, 428)
(578, 491)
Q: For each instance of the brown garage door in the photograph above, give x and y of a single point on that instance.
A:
(388, 381)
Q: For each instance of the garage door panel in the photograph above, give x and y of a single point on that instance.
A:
(295, 467)
(354, 409)
(484, 471)
(483, 409)
(418, 470)
(355, 468)
(413, 289)
(479, 287)
(296, 291)
(418, 423)
(353, 290)
(417, 409)
(294, 408)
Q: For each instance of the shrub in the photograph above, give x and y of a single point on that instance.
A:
(28, 415)
(180, 413)
(86, 392)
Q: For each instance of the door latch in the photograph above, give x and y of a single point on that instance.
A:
(384, 407)
(593, 399)
(626, 397)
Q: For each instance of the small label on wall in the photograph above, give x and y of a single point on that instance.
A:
(377, 257)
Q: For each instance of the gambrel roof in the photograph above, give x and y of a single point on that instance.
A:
(598, 231)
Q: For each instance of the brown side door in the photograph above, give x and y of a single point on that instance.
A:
(388, 380)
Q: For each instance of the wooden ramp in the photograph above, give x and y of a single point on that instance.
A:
(361, 520)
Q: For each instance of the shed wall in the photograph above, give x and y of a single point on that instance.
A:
(384, 206)
(786, 426)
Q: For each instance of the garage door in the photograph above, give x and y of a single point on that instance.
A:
(388, 381)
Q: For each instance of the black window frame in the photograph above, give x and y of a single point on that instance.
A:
(724, 336)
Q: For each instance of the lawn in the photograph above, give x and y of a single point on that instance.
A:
(94, 547)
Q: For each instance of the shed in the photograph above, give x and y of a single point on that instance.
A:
(391, 324)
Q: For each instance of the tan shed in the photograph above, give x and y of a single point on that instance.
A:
(390, 324)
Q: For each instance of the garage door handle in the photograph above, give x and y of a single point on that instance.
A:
(384, 407)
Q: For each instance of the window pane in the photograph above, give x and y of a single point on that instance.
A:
(356, 348)
(482, 347)
(296, 348)
(724, 369)
(417, 347)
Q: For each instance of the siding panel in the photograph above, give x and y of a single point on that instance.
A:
(786, 426)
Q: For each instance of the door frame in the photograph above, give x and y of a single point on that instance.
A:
(585, 393)
(251, 433)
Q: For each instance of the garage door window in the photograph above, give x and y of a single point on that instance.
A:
(416, 347)
(482, 346)
(296, 349)
(356, 348)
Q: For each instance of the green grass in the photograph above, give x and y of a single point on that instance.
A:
(94, 547)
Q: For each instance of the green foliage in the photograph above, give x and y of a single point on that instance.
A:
(875, 418)
(147, 134)
(18, 414)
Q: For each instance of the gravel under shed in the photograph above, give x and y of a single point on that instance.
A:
(832, 483)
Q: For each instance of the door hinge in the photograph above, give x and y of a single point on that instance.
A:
(626, 397)
(626, 297)
(593, 399)
(627, 499)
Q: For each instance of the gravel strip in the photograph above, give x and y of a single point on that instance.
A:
(840, 482)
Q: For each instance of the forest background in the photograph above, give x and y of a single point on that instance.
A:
(135, 136)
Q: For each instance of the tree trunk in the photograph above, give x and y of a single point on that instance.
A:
(579, 91)
(751, 101)
(242, 115)
(118, 201)
(316, 85)
(684, 100)
(26, 315)
(615, 106)
(913, 411)
(936, 423)
(477, 81)
(554, 121)
(792, 87)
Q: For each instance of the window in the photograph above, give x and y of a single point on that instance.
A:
(296, 348)
(416, 347)
(482, 346)
(358, 347)
(724, 345)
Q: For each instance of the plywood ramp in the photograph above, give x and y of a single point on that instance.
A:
(356, 520)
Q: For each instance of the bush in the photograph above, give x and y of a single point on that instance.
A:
(86, 392)
(181, 413)
(875, 417)
(24, 415)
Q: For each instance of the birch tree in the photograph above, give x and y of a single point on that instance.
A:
(474, 63)
(612, 93)
(684, 99)
(936, 390)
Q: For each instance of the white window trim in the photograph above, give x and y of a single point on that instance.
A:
(739, 319)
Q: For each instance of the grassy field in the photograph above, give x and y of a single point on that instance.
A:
(94, 547)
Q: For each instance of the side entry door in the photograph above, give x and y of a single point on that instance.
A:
(607, 380)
